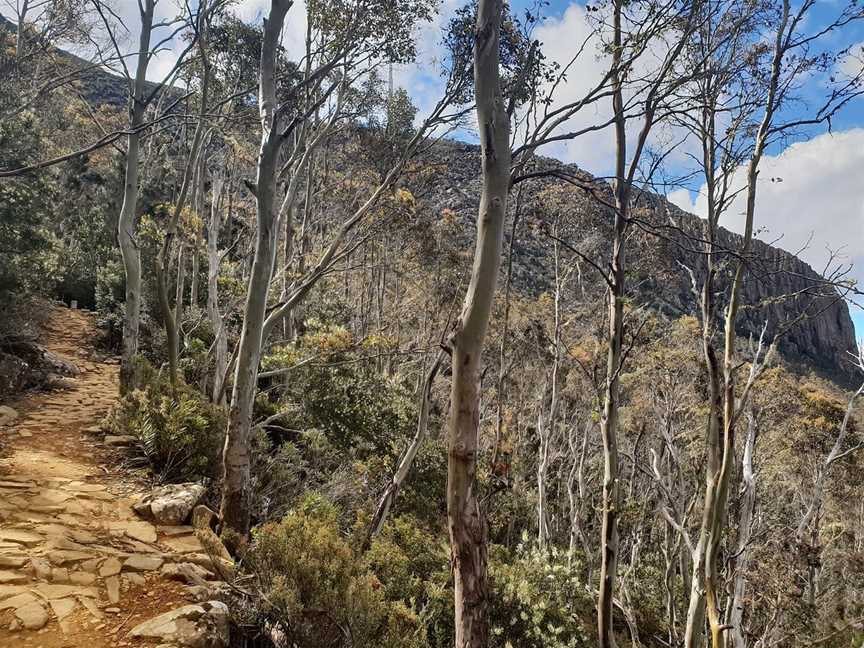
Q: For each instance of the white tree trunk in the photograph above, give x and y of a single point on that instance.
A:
(745, 520)
(127, 222)
(235, 489)
(220, 352)
(466, 520)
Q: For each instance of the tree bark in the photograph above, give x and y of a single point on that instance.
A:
(234, 509)
(220, 353)
(736, 638)
(609, 418)
(466, 520)
(127, 222)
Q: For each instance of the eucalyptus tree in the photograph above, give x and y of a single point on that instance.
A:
(154, 35)
(467, 523)
(349, 39)
(171, 316)
(646, 43)
(751, 59)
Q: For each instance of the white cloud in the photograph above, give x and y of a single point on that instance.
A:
(850, 65)
(820, 200)
(561, 38)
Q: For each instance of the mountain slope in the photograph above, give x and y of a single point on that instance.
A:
(663, 248)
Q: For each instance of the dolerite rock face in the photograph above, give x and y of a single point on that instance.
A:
(664, 247)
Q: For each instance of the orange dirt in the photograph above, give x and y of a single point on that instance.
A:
(66, 522)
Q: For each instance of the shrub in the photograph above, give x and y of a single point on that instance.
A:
(179, 432)
(314, 591)
(538, 600)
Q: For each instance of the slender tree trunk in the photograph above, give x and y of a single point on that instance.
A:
(385, 503)
(195, 248)
(609, 418)
(722, 442)
(216, 321)
(235, 490)
(736, 638)
(466, 520)
(20, 35)
(171, 317)
(127, 222)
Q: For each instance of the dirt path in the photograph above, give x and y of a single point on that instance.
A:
(78, 568)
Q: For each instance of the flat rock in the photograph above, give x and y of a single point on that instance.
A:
(9, 560)
(20, 536)
(184, 544)
(92, 608)
(112, 587)
(60, 575)
(32, 616)
(84, 487)
(110, 567)
(170, 505)
(16, 484)
(192, 626)
(10, 577)
(90, 566)
(11, 590)
(47, 508)
(54, 591)
(62, 607)
(19, 600)
(140, 562)
(82, 578)
(51, 496)
(62, 557)
(142, 531)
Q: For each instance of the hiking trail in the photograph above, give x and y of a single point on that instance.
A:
(78, 567)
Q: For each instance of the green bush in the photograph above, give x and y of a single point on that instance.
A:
(178, 430)
(538, 600)
(316, 592)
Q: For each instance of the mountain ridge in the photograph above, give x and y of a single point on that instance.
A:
(778, 287)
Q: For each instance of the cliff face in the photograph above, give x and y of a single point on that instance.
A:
(664, 247)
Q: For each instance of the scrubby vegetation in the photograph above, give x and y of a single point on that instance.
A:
(526, 470)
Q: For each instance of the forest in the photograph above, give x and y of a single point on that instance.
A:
(438, 387)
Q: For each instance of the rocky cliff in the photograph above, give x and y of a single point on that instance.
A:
(663, 250)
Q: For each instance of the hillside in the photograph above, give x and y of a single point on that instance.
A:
(96, 85)
(776, 288)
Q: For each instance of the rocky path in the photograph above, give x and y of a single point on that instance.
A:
(78, 567)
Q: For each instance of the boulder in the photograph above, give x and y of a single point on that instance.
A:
(7, 415)
(191, 626)
(170, 505)
(59, 365)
